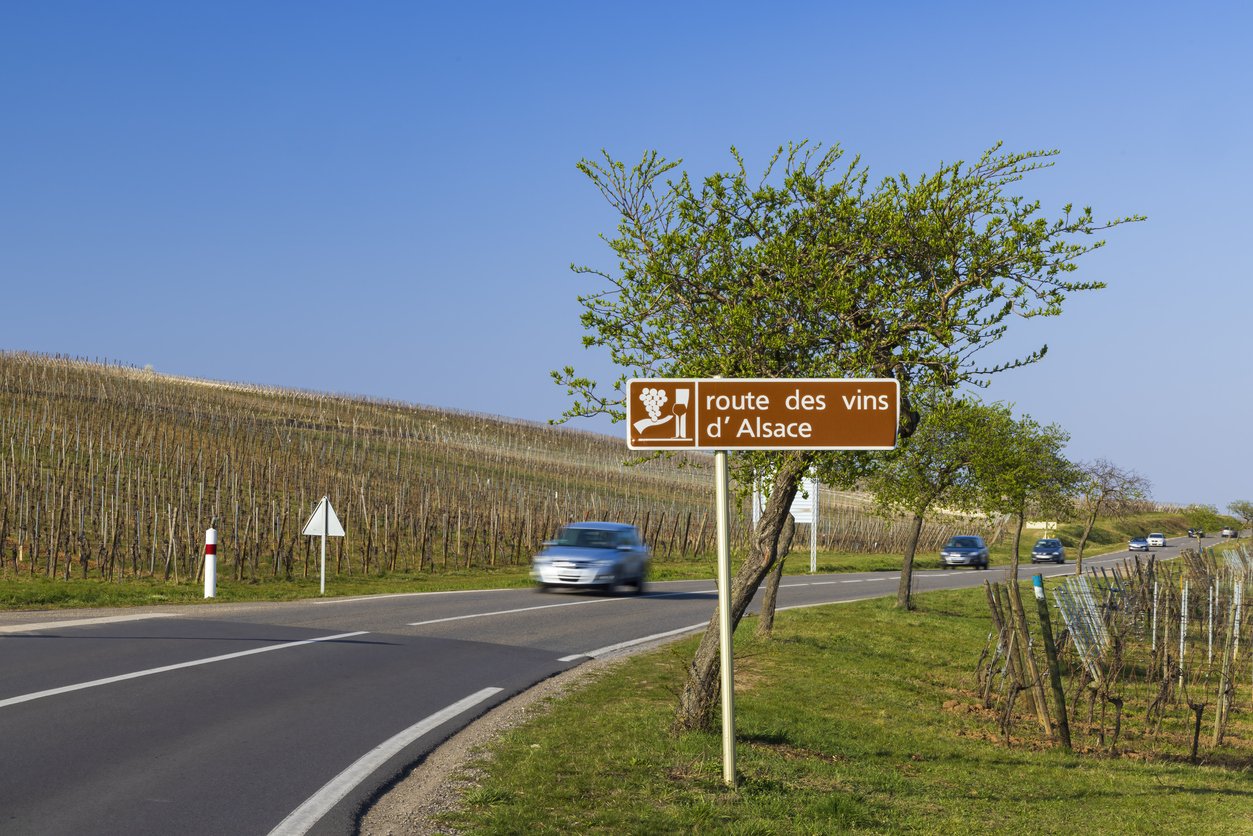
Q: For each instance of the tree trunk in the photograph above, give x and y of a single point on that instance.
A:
(904, 601)
(700, 690)
(765, 624)
(1013, 558)
(1083, 541)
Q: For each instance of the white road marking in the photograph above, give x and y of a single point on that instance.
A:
(691, 628)
(508, 612)
(41, 626)
(354, 599)
(320, 803)
(601, 651)
(109, 680)
(550, 606)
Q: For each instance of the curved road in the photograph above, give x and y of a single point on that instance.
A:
(287, 718)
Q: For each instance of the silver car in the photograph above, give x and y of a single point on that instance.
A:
(964, 550)
(593, 555)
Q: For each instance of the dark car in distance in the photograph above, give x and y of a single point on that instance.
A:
(1048, 550)
(964, 550)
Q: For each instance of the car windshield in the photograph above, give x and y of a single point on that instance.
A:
(1156, 535)
(1047, 544)
(963, 543)
(588, 538)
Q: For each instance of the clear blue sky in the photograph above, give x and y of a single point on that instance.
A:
(381, 198)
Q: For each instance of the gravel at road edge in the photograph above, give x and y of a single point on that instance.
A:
(436, 785)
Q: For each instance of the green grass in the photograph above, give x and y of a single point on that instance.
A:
(1114, 533)
(38, 592)
(854, 718)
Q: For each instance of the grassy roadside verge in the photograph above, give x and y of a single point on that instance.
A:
(853, 718)
(39, 592)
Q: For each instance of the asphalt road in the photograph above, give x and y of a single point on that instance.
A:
(287, 718)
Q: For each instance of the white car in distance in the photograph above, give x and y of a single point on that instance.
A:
(1157, 540)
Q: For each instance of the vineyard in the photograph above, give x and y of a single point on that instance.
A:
(1149, 657)
(115, 472)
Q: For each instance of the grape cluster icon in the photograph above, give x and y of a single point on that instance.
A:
(653, 400)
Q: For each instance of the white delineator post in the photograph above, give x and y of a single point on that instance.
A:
(211, 563)
(326, 524)
(727, 664)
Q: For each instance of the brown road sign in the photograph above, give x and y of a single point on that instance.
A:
(762, 414)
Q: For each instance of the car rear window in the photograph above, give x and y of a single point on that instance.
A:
(964, 543)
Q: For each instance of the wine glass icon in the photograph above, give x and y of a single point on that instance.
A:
(679, 411)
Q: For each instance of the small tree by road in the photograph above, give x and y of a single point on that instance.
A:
(1243, 509)
(807, 269)
(1105, 489)
(1021, 471)
(932, 467)
(1203, 517)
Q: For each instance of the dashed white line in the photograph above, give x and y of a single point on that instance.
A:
(109, 680)
(550, 606)
(509, 612)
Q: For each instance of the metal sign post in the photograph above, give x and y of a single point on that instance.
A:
(324, 522)
(727, 666)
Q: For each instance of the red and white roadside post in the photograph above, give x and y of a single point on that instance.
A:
(211, 563)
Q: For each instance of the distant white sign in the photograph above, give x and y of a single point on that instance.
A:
(323, 521)
(802, 509)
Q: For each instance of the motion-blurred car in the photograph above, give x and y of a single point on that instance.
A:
(593, 555)
(964, 550)
(1156, 540)
(1138, 544)
(1196, 532)
(1048, 550)
(1230, 532)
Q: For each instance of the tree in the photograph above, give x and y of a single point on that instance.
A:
(1105, 488)
(1203, 517)
(809, 271)
(1021, 470)
(933, 466)
(1243, 509)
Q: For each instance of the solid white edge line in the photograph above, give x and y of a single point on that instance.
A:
(601, 651)
(109, 680)
(39, 627)
(300, 820)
